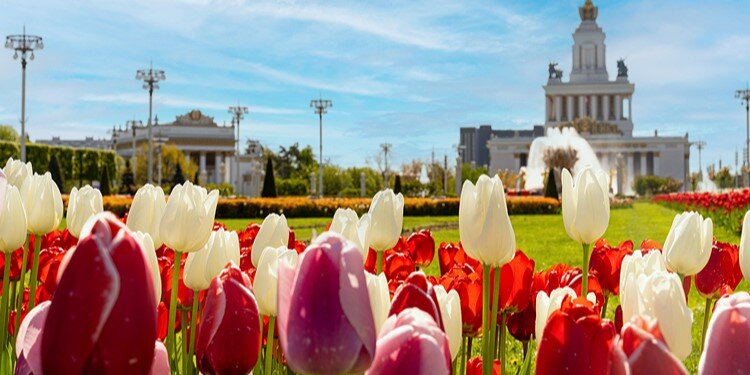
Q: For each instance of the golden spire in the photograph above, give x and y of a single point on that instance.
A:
(588, 11)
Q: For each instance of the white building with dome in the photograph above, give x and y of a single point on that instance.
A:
(601, 110)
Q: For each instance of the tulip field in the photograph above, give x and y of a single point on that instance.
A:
(167, 288)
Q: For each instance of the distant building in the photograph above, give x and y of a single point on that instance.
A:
(474, 141)
(88, 142)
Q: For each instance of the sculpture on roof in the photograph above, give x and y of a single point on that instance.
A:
(622, 70)
(554, 73)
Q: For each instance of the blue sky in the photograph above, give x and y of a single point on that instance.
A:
(405, 72)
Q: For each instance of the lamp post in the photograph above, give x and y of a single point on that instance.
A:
(744, 96)
(24, 45)
(133, 124)
(320, 106)
(150, 78)
(386, 147)
(238, 113)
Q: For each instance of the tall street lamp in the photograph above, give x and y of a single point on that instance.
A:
(238, 113)
(150, 78)
(24, 45)
(320, 106)
(133, 125)
(744, 95)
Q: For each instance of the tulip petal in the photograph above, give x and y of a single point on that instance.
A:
(29, 339)
(355, 302)
(160, 365)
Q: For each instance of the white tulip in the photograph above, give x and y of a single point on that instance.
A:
(354, 229)
(202, 266)
(635, 266)
(144, 239)
(450, 311)
(146, 212)
(43, 204)
(546, 305)
(266, 283)
(380, 298)
(660, 296)
(16, 172)
(82, 205)
(274, 232)
(483, 222)
(188, 217)
(386, 219)
(688, 244)
(585, 205)
(745, 247)
(12, 218)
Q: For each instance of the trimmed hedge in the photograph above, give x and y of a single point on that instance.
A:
(76, 164)
(306, 207)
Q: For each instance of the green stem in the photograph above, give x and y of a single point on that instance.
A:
(525, 346)
(493, 315)
(4, 306)
(486, 335)
(585, 280)
(173, 308)
(706, 317)
(502, 343)
(379, 263)
(193, 330)
(18, 301)
(604, 307)
(460, 358)
(34, 273)
(269, 344)
(184, 332)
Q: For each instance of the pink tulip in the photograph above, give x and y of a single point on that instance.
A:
(229, 333)
(646, 351)
(728, 337)
(417, 292)
(102, 317)
(160, 365)
(411, 343)
(325, 321)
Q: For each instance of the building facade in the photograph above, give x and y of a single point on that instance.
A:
(601, 111)
(88, 142)
(473, 142)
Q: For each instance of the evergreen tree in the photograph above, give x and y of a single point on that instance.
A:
(178, 177)
(550, 189)
(397, 184)
(104, 184)
(269, 183)
(127, 181)
(54, 170)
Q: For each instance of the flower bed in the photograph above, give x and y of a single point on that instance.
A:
(726, 209)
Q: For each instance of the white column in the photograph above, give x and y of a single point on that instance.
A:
(594, 106)
(547, 109)
(644, 167)
(656, 163)
(229, 168)
(631, 171)
(558, 108)
(516, 162)
(605, 162)
(618, 107)
(202, 168)
(630, 108)
(605, 107)
(187, 157)
(218, 161)
(569, 100)
(581, 106)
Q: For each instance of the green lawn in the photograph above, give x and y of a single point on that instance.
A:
(543, 238)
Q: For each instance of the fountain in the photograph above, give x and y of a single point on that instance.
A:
(706, 185)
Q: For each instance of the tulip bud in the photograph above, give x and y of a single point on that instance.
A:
(188, 217)
(325, 320)
(43, 203)
(267, 275)
(688, 245)
(380, 298)
(386, 219)
(229, 336)
(202, 266)
(144, 239)
(585, 205)
(146, 212)
(16, 172)
(483, 222)
(354, 229)
(82, 205)
(633, 267)
(411, 343)
(274, 232)
(745, 247)
(728, 337)
(450, 311)
(12, 219)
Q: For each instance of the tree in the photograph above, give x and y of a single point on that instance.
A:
(397, 184)
(127, 183)
(54, 170)
(178, 177)
(104, 184)
(269, 183)
(171, 155)
(560, 158)
(550, 188)
(8, 133)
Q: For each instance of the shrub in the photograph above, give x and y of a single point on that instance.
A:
(291, 187)
(54, 170)
(104, 184)
(225, 189)
(127, 183)
(650, 185)
(269, 184)
(550, 189)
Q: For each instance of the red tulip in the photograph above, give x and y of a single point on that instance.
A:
(451, 253)
(642, 343)
(50, 259)
(325, 321)
(411, 343)
(516, 278)
(468, 284)
(421, 246)
(722, 273)
(474, 366)
(605, 264)
(102, 317)
(560, 275)
(228, 340)
(521, 324)
(417, 292)
(16, 258)
(649, 245)
(728, 337)
(398, 266)
(576, 340)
